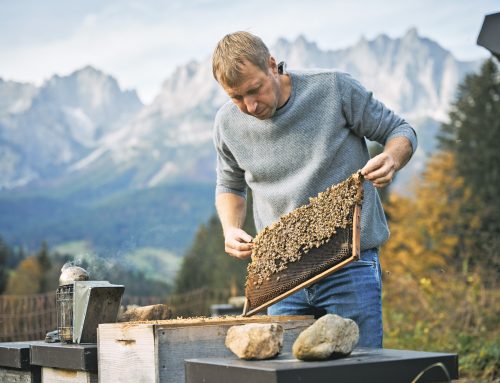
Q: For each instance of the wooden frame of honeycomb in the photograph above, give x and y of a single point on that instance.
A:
(305, 245)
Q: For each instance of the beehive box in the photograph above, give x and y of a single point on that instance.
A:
(61, 375)
(66, 363)
(155, 351)
(15, 364)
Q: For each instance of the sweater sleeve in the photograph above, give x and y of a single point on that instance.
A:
(230, 177)
(370, 118)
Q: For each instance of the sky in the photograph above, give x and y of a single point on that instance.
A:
(141, 42)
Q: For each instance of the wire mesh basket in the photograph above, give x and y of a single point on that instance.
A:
(64, 304)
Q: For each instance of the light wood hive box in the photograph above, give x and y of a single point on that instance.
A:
(154, 352)
(58, 375)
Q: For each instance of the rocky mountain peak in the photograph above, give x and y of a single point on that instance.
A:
(50, 127)
(91, 124)
(89, 88)
(15, 97)
(411, 34)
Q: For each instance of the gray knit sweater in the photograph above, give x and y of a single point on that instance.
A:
(317, 139)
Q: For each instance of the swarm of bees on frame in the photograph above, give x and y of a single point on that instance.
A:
(303, 229)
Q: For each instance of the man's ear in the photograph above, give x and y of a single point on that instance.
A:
(273, 65)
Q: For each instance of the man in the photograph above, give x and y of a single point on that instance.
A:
(289, 136)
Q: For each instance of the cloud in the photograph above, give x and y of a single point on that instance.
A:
(142, 42)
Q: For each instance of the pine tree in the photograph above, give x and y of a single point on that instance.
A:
(16, 256)
(473, 135)
(207, 265)
(5, 253)
(43, 259)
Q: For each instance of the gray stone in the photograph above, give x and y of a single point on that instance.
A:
(331, 336)
(255, 340)
(145, 313)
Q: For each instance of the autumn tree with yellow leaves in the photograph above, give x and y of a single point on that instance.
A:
(431, 231)
(33, 274)
(441, 264)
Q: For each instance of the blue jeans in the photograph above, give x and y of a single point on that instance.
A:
(355, 292)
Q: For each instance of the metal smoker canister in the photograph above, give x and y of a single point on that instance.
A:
(64, 300)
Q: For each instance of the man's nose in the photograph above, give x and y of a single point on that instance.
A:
(251, 104)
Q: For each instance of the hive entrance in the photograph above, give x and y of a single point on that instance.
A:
(305, 245)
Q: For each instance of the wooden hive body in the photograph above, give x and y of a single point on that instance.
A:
(154, 351)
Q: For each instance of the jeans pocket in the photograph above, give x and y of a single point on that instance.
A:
(363, 262)
(369, 260)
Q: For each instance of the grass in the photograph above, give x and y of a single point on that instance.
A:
(451, 312)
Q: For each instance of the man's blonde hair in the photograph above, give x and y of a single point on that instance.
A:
(233, 51)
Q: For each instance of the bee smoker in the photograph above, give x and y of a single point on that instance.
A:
(82, 305)
(64, 300)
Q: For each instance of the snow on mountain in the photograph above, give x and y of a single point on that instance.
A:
(86, 125)
(171, 138)
(15, 97)
(412, 75)
(190, 87)
(43, 131)
(93, 94)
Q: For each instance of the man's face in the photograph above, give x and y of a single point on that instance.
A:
(258, 92)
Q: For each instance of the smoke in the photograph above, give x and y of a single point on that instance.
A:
(98, 267)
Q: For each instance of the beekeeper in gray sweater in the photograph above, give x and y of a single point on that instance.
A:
(288, 135)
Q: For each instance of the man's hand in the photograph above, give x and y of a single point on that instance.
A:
(237, 243)
(232, 209)
(380, 170)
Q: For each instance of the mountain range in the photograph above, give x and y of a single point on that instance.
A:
(79, 150)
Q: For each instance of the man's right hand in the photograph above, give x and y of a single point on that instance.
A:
(237, 243)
